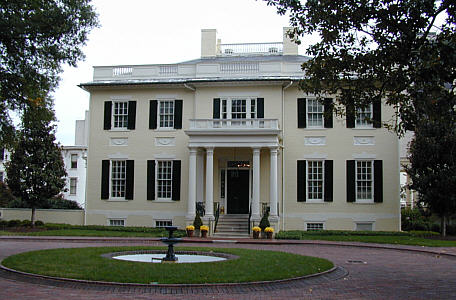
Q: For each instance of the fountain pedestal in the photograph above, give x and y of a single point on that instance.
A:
(170, 241)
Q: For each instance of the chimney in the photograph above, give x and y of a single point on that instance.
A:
(208, 43)
(289, 47)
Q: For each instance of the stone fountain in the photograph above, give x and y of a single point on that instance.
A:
(170, 241)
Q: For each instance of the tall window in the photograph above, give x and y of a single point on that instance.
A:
(74, 161)
(118, 178)
(120, 114)
(364, 180)
(164, 179)
(314, 113)
(364, 116)
(315, 180)
(166, 113)
(238, 108)
(73, 185)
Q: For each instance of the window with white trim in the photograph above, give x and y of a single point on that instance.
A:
(73, 185)
(166, 114)
(364, 226)
(164, 179)
(238, 108)
(118, 178)
(74, 161)
(163, 223)
(120, 114)
(315, 111)
(364, 117)
(117, 222)
(314, 226)
(315, 180)
(364, 181)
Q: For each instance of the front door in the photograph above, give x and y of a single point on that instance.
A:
(238, 191)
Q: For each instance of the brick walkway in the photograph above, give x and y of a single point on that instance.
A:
(384, 273)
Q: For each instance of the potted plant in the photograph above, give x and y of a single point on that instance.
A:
(197, 223)
(264, 222)
(204, 229)
(269, 231)
(190, 229)
(256, 232)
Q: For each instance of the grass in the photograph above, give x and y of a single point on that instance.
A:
(88, 232)
(395, 238)
(88, 264)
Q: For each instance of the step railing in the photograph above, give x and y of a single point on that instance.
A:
(217, 215)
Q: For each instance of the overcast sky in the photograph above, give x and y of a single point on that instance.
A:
(156, 32)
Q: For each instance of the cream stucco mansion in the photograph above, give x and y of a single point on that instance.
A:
(231, 134)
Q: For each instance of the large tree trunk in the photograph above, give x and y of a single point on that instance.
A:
(33, 217)
(443, 225)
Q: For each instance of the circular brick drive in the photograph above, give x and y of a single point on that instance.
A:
(363, 273)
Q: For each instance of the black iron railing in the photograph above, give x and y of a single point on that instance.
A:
(217, 215)
(250, 216)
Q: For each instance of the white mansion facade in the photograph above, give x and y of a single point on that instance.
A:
(231, 132)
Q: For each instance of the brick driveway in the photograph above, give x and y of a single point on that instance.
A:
(383, 274)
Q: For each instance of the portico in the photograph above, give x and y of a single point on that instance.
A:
(253, 140)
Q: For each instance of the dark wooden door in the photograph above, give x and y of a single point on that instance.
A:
(238, 191)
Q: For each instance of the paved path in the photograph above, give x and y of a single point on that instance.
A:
(386, 273)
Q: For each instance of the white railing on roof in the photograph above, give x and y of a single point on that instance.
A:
(168, 69)
(234, 124)
(122, 71)
(275, 48)
(240, 67)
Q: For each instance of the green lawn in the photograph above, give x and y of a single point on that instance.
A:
(88, 232)
(395, 238)
(88, 264)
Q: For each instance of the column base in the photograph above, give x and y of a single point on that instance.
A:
(189, 218)
(255, 217)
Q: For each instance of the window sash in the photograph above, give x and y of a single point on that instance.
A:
(166, 113)
(314, 226)
(118, 178)
(73, 186)
(364, 116)
(163, 223)
(164, 179)
(120, 114)
(74, 161)
(315, 180)
(117, 222)
(314, 116)
(238, 108)
(364, 177)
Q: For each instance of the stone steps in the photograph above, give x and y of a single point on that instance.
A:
(232, 226)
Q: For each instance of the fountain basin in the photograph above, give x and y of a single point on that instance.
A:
(181, 258)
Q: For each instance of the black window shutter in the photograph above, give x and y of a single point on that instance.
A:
(216, 109)
(377, 113)
(378, 181)
(350, 116)
(328, 114)
(151, 180)
(328, 181)
(302, 113)
(153, 114)
(350, 181)
(178, 106)
(107, 115)
(131, 115)
(105, 179)
(176, 180)
(301, 181)
(260, 108)
(130, 180)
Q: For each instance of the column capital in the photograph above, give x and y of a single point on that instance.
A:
(210, 150)
(274, 150)
(193, 150)
(256, 150)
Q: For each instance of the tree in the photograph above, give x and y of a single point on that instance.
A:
(5, 195)
(402, 53)
(36, 171)
(36, 38)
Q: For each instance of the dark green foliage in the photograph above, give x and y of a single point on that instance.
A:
(36, 171)
(37, 38)
(197, 222)
(5, 195)
(39, 223)
(264, 222)
(415, 219)
(26, 223)
(3, 223)
(60, 203)
(14, 223)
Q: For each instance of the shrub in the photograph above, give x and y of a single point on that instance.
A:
(197, 222)
(14, 223)
(421, 233)
(435, 227)
(264, 222)
(451, 229)
(39, 223)
(3, 223)
(26, 223)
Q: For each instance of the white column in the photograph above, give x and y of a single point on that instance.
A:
(209, 183)
(191, 209)
(273, 183)
(256, 185)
